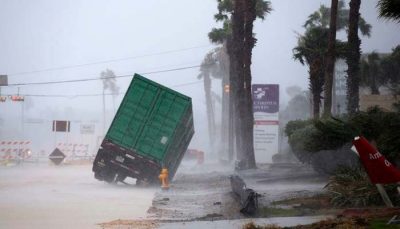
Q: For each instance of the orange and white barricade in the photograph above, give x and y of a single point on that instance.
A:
(14, 151)
(74, 151)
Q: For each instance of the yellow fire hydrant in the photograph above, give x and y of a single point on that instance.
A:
(164, 179)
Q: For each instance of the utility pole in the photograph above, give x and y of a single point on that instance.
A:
(104, 113)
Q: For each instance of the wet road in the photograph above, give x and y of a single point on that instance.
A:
(46, 196)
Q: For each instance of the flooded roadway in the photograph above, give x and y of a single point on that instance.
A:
(47, 196)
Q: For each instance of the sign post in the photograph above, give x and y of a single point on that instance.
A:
(266, 121)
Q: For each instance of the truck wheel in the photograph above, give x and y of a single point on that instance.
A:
(120, 178)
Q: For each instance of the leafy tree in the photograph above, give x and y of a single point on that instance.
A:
(389, 9)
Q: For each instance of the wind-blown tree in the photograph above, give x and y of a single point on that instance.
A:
(389, 9)
(243, 16)
(321, 18)
(237, 34)
(109, 83)
(310, 50)
(370, 73)
(208, 69)
(353, 58)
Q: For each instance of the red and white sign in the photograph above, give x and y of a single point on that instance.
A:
(10, 150)
(379, 169)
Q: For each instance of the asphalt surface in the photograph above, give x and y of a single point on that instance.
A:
(47, 196)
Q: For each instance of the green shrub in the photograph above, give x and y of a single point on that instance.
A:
(293, 126)
(382, 128)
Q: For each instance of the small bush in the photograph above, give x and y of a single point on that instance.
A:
(310, 138)
(352, 187)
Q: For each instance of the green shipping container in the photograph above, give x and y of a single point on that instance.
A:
(151, 130)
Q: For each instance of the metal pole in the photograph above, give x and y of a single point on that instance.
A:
(384, 195)
(104, 114)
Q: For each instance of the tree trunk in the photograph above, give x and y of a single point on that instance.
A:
(231, 98)
(238, 78)
(248, 119)
(225, 153)
(210, 110)
(353, 58)
(316, 76)
(330, 61)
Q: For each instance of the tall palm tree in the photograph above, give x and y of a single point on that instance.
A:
(330, 60)
(210, 67)
(244, 14)
(321, 18)
(353, 58)
(310, 50)
(389, 9)
(238, 17)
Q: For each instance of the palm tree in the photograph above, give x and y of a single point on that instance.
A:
(370, 73)
(237, 33)
(310, 50)
(321, 18)
(330, 61)
(389, 9)
(244, 14)
(210, 68)
(353, 58)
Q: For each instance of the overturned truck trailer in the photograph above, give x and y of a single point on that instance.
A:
(150, 131)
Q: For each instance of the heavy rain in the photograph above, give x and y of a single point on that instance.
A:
(199, 114)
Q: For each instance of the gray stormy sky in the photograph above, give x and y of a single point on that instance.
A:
(44, 34)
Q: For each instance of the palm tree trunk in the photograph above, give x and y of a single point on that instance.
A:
(316, 86)
(330, 61)
(248, 119)
(209, 107)
(231, 98)
(353, 58)
(225, 153)
(237, 79)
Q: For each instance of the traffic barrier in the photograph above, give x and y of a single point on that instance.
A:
(14, 150)
(74, 151)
